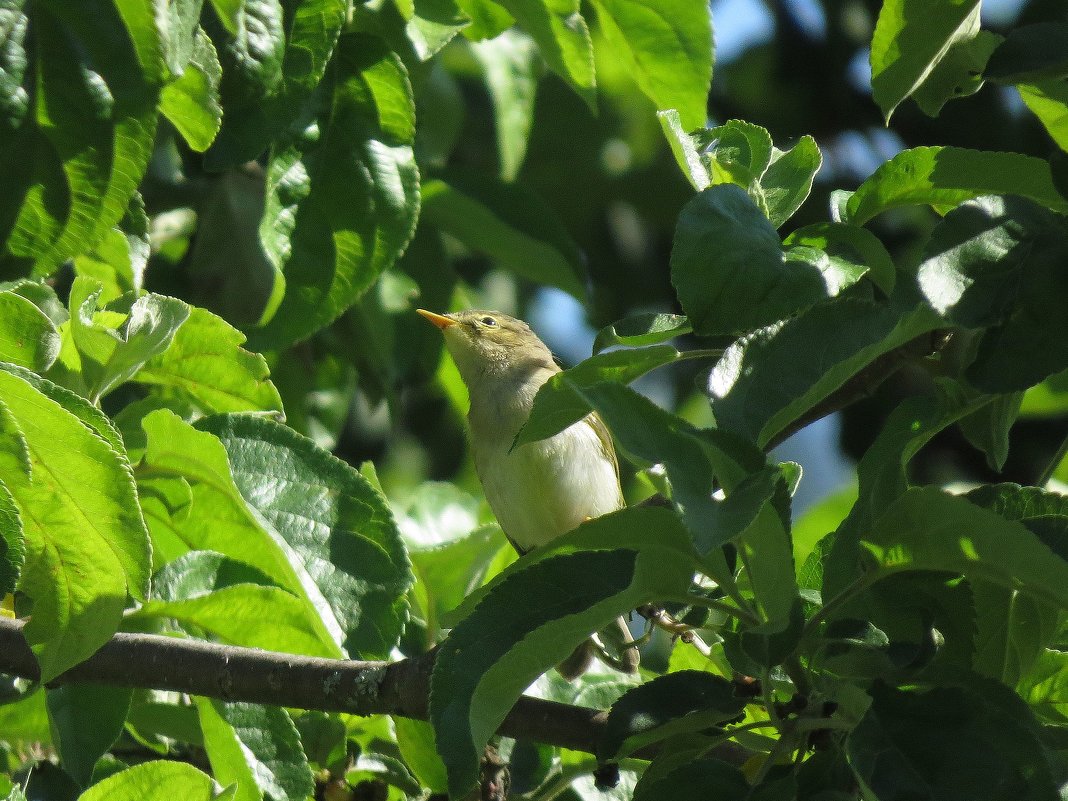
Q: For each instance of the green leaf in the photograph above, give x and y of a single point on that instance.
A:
(558, 402)
(342, 193)
(959, 73)
(119, 259)
(947, 176)
(534, 616)
(206, 363)
(1012, 631)
(86, 543)
(488, 19)
(684, 701)
(1045, 688)
(1048, 399)
(730, 270)
(788, 179)
(12, 545)
(510, 224)
(770, 378)
(694, 780)
(432, 25)
(685, 149)
(563, 39)
(335, 529)
(252, 616)
(415, 739)
(949, 743)
(225, 524)
(1013, 252)
(511, 68)
(161, 780)
(98, 116)
(198, 573)
(926, 529)
(852, 251)
(1049, 102)
(257, 748)
(146, 21)
(251, 53)
(86, 720)
(191, 101)
(27, 336)
(1014, 502)
(911, 37)
(666, 46)
(987, 429)
(113, 343)
(642, 329)
(1031, 53)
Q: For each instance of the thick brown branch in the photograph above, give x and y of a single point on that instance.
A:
(232, 673)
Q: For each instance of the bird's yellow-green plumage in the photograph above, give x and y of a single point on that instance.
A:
(538, 490)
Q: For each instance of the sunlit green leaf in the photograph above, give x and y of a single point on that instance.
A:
(334, 529)
(81, 521)
(191, 101)
(667, 47)
(642, 329)
(947, 176)
(27, 336)
(1049, 102)
(12, 546)
(161, 780)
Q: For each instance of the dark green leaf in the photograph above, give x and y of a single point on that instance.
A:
(695, 781)
(642, 329)
(988, 428)
(666, 46)
(92, 548)
(951, 744)
(947, 176)
(342, 194)
(98, 115)
(739, 152)
(729, 268)
(255, 747)
(335, 529)
(1031, 53)
(510, 224)
(1045, 688)
(86, 721)
(911, 37)
(1012, 630)
(12, 546)
(688, 700)
(432, 25)
(926, 529)
(559, 404)
(160, 780)
(534, 616)
(27, 336)
(1014, 502)
(771, 378)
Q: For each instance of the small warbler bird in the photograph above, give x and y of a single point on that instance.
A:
(538, 490)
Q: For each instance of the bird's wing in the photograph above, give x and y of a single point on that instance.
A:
(605, 438)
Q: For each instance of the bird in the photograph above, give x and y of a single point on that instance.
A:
(537, 490)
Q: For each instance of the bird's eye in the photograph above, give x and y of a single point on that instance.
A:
(489, 322)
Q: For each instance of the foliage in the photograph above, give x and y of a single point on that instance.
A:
(216, 221)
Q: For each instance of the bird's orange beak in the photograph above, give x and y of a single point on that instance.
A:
(440, 320)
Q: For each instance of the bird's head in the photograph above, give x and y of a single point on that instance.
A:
(490, 345)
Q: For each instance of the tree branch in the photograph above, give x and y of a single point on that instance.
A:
(233, 673)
